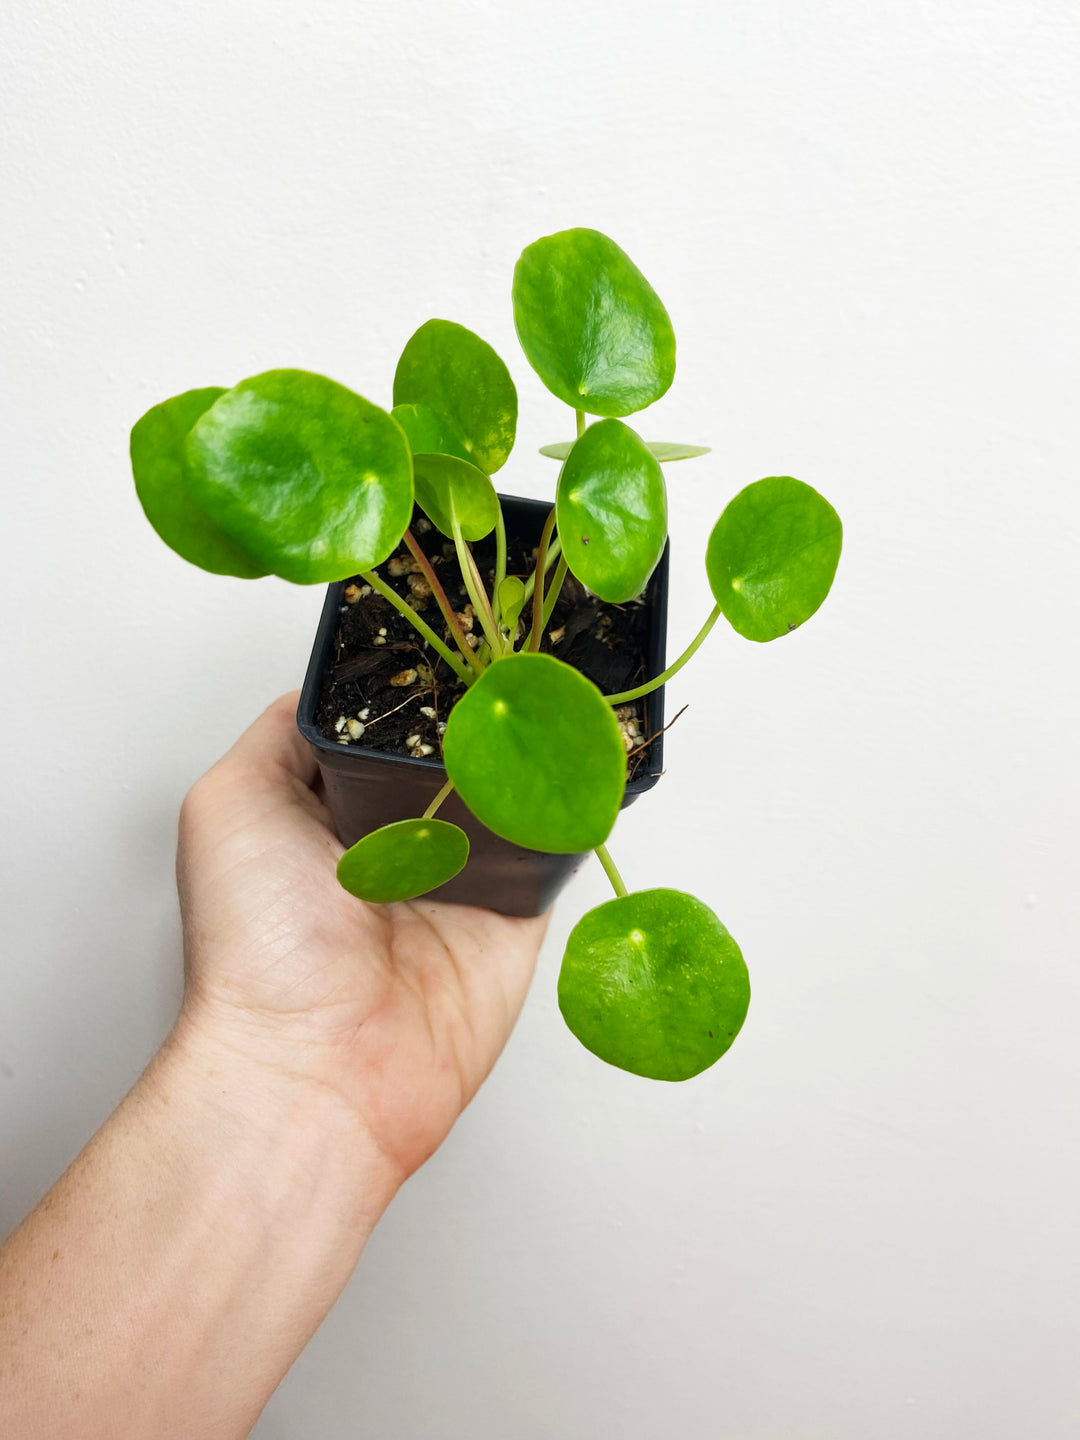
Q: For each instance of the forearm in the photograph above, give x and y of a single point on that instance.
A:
(167, 1282)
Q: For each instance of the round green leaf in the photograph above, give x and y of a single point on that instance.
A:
(161, 483)
(444, 480)
(653, 983)
(535, 753)
(401, 861)
(664, 450)
(772, 556)
(591, 325)
(313, 481)
(428, 433)
(611, 509)
(453, 372)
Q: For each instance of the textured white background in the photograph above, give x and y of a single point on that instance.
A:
(863, 219)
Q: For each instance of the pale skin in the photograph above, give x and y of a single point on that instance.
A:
(323, 1051)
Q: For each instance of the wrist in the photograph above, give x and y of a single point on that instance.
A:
(276, 1135)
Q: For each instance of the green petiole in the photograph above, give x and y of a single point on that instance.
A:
(612, 873)
(475, 587)
(453, 623)
(462, 671)
(687, 654)
(533, 642)
(553, 592)
(439, 798)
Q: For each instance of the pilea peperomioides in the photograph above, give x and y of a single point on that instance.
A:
(291, 474)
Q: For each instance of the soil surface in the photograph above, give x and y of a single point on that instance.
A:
(387, 690)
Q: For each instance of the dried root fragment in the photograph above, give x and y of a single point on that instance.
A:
(556, 635)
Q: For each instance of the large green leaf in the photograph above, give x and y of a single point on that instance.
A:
(161, 483)
(444, 480)
(428, 433)
(591, 325)
(535, 753)
(312, 480)
(453, 372)
(611, 509)
(403, 860)
(772, 556)
(653, 983)
(664, 450)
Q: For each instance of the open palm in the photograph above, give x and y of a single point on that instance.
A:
(400, 1009)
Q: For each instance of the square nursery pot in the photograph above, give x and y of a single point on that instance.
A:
(368, 788)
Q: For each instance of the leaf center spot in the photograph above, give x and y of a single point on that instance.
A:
(500, 707)
(423, 834)
(637, 937)
(736, 584)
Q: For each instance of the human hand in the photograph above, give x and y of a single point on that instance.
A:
(399, 1010)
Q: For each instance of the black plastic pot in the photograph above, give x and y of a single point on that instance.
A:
(368, 788)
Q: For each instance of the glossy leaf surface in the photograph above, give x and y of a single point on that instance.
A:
(591, 325)
(536, 755)
(403, 860)
(312, 480)
(611, 509)
(664, 450)
(444, 479)
(161, 483)
(653, 983)
(453, 372)
(772, 556)
(511, 599)
(428, 433)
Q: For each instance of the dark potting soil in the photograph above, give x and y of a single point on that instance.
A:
(386, 679)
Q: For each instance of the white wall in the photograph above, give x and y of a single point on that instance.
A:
(863, 219)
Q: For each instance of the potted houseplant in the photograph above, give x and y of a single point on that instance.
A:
(292, 474)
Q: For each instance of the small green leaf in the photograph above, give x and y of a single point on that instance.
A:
(161, 483)
(403, 860)
(591, 325)
(653, 983)
(313, 481)
(662, 449)
(535, 753)
(772, 556)
(511, 599)
(453, 372)
(428, 433)
(442, 480)
(611, 509)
